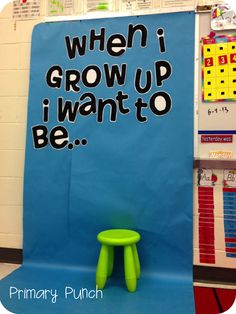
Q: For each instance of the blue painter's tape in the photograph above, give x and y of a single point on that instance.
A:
(230, 202)
(229, 198)
(228, 230)
(229, 207)
(229, 225)
(231, 255)
(233, 217)
(230, 235)
(231, 194)
(230, 212)
(231, 245)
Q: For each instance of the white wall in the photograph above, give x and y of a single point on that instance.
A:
(14, 73)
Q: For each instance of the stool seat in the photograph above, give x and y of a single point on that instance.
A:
(118, 237)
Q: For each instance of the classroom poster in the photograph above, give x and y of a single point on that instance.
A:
(27, 9)
(177, 4)
(60, 7)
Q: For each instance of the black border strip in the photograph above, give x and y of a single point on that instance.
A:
(220, 308)
(214, 275)
(9, 255)
(203, 8)
(215, 164)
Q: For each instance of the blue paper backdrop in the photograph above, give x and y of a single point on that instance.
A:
(129, 175)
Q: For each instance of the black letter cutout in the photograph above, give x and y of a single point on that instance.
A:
(40, 136)
(114, 73)
(162, 76)
(139, 105)
(56, 81)
(66, 110)
(146, 88)
(131, 31)
(76, 45)
(57, 135)
(99, 37)
(153, 104)
(112, 44)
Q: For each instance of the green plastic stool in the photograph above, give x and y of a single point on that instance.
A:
(118, 237)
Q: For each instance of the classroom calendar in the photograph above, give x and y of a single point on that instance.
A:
(219, 68)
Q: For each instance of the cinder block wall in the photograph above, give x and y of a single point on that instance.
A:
(15, 38)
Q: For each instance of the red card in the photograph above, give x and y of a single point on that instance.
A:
(223, 59)
(208, 62)
(233, 57)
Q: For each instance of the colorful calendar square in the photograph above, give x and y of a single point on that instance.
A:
(222, 60)
(232, 92)
(219, 68)
(233, 58)
(209, 72)
(232, 81)
(209, 50)
(209, 82)
(221, 48)
(232, 69)
(232, 47)
(209, 62)
(222, 82)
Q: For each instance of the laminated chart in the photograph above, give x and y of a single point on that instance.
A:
(27, 9)
(127, 5)
(206, 224)
(60, 7)
(96, 5)
(219, 68)
(174, 3)
(229, 195)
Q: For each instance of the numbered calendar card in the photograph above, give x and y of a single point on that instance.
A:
(219, 68)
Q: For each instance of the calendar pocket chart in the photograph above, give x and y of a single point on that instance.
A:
(219, 68)
(229, 196)
(206, 224)
(206, 216)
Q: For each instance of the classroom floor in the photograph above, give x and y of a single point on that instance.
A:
(6, 269)
(213, 300)
(208, 300)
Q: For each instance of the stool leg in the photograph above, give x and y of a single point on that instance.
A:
(102, 266)
(136, 260)
(130, 272)
(110, 260)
